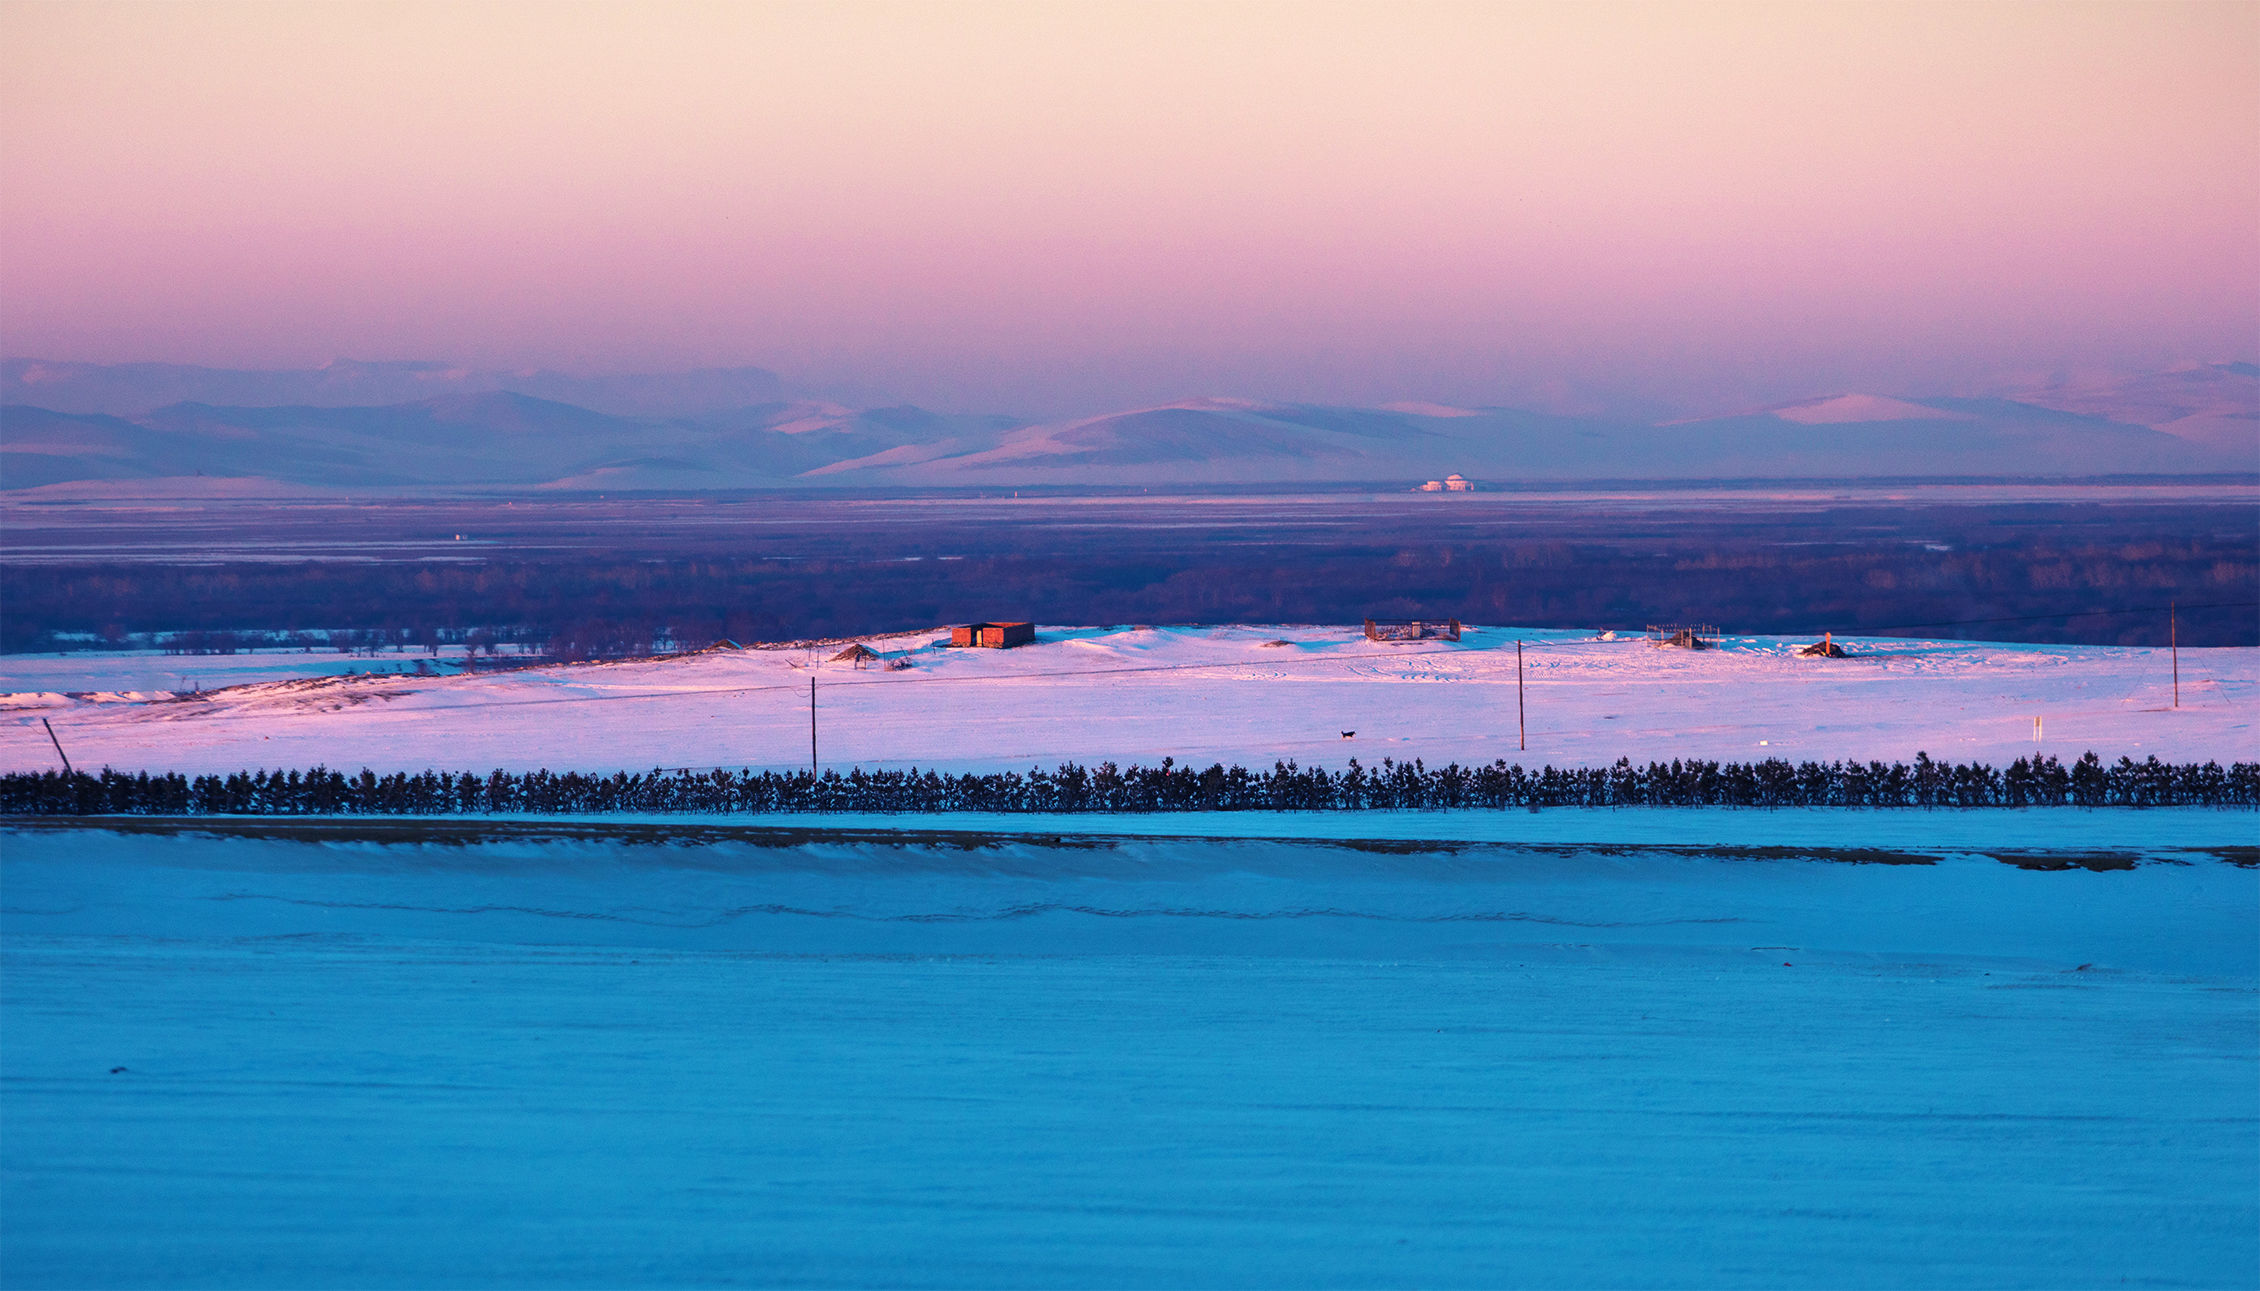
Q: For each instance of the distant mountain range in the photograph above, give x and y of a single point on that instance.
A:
(87, 429)
(131, 389)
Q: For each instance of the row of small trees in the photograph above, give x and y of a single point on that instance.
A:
(2027, 782)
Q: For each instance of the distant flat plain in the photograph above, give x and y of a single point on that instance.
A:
(476, 527)
(588, 575)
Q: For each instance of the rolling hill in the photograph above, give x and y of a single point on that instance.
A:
(2190, 421)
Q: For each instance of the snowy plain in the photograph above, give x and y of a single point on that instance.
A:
(265, 1062)
(1638, 1047)
(1200, 695)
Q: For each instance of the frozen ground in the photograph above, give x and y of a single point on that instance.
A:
(1200, 695)
(560, 1061)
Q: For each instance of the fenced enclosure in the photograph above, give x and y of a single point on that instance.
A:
(1412, 629)
(1685, 636)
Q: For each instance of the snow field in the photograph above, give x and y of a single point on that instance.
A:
(1144, 1063)
(1201, 695)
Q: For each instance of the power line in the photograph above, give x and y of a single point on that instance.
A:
(1957, 623)
(2069, 614)
(1222, 663)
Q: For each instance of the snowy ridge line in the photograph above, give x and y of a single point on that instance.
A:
(1528, 644)
(1212, 696)
(246, 689)
(1006, 914)
(1108, 789)
(2039, 838)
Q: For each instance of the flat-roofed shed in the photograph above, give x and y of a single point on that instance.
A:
(995, 636)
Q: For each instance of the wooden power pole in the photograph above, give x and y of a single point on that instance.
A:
(58, 748)
(2174, 643)
(1522, 722)
(812, 728)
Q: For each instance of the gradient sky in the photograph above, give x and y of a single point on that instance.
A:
(1063, 207)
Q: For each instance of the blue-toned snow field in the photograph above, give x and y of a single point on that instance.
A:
(417, 1058)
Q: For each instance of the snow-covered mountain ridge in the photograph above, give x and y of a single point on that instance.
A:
(2192, 420)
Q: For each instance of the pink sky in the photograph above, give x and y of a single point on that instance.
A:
(1057, 207)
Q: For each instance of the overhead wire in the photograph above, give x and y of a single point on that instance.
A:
(989, 678)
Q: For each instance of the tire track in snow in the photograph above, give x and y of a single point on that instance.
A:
(1011, 913)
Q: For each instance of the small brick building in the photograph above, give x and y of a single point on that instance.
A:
(995, 636)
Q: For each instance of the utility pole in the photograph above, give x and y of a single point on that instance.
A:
(1522, 723)
(2174, 643)
(58, 748)
(812, 728)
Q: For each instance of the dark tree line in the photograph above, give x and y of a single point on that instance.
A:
(2031, 572)
(2027, 782)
